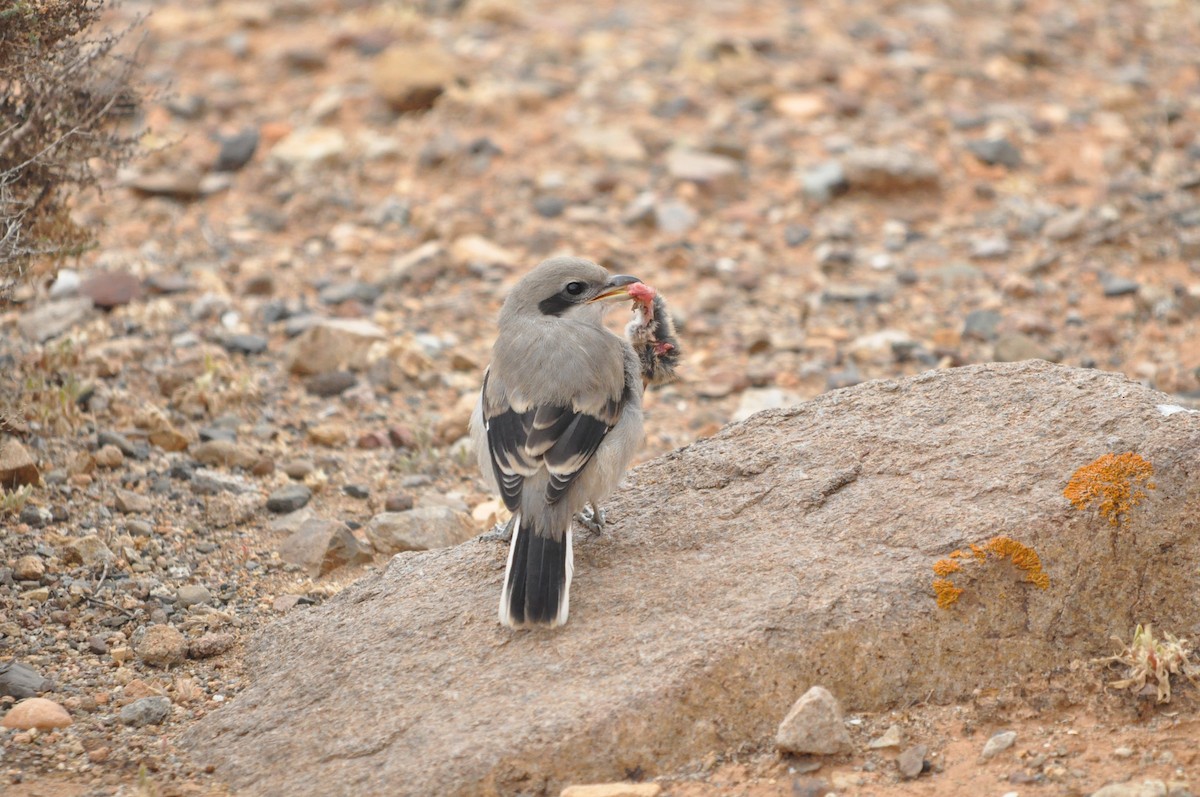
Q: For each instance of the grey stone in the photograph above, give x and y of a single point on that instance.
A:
(288, 498)
(675, 217)
(814, 725)
(890, 738)
(704, 168)
(210, 433)
(332, 344)
(298, 469)
(176, 183)
(1066, 225)
(131, 503)
(139, 528)
(127, 446)
(35, 517)
(236, 150)
(991, 247)
(997, 744)
(981, 325)
(990, 447)
(824, 181)
(21, 681)
(859, 292)
(614, 143)
(796, 234)
(225, 454)
(330, 383)
(641, 211)
(1147, 788)
(347, 291)
(48, 321)
(206, 481)
(890, 170)
(996, 152)
(193, 595)
(323, 545)
(420, 529)
(911, 763)
(146, 711)
(1117, 286)
(292, 521)
(244, 343)
(549, 206)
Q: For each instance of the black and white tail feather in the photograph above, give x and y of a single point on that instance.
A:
(537, 578)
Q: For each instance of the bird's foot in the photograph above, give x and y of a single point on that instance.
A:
(592, 518)
(501, 532)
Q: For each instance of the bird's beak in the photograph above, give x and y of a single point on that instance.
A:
(617, 287)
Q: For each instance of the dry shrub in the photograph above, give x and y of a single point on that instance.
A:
(61, 96)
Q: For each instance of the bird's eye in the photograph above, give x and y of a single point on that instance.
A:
(575, 288)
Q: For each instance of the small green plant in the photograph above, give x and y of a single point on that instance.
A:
(146, 787)
(13, 501)
(1151, 662)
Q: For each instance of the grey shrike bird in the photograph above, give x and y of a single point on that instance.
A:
(558, 421)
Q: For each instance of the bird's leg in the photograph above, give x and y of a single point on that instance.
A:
(592, 518)
(501, 532)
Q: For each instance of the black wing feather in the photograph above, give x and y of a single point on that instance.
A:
(560, 438)
(573, 449)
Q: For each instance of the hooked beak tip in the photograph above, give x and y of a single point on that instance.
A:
(616, 287)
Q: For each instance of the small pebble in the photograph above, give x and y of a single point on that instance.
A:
(162, 646)
(146, 711)
(193, 595)
(288, 498)
(911, 763)
(36, 712)
(998, 744)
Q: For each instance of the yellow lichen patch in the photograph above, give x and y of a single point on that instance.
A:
(946, 592)
(944, 567)
(1115, 482)
(1023, 557)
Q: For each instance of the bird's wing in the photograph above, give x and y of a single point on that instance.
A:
(560, 438)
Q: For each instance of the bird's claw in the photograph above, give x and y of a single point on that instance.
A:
(501, 532)
(592, 518)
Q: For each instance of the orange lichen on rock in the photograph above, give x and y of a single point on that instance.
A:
(1023, 558)
(946, 592)
(1116, 482)
(944, 567)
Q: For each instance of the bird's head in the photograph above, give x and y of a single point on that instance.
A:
(567, 287)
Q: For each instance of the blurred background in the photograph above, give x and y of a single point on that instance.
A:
(825, 192)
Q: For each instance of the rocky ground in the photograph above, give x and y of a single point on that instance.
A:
(256, 387)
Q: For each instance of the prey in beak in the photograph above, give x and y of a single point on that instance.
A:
(617, 287)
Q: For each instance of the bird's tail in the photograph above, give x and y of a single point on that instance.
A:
(537, 581)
